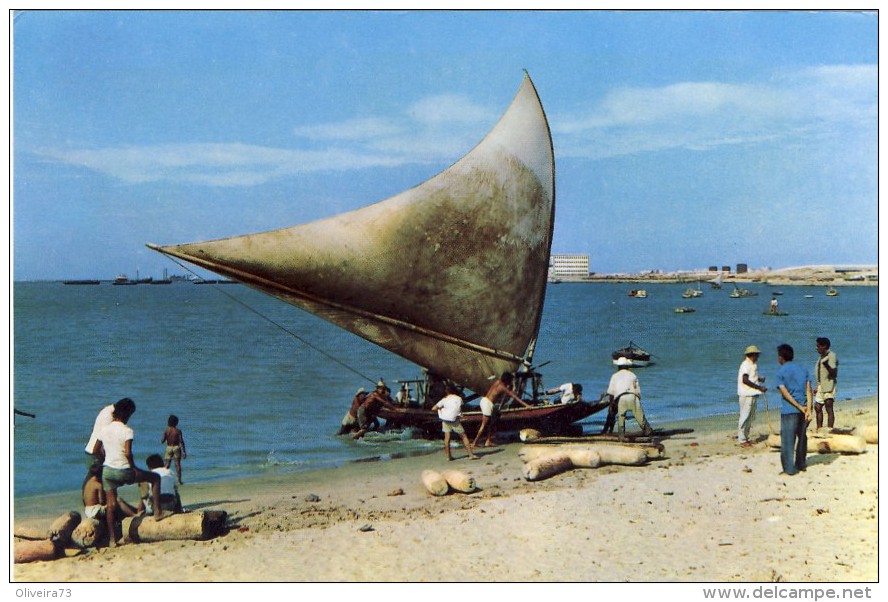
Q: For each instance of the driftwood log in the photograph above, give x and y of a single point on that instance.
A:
(547, 466)
(61, 528)
(534, 436)
(870, 433)
(830, 444)
(27, 550)
(201, 525)
(608, 453)
(459, 481)
(89, 533)
(435, 483)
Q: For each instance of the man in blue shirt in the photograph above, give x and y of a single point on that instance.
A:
(794, 384)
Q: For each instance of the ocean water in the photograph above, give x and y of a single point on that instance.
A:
(256, 397)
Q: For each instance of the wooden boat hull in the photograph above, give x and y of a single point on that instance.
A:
(544, 418)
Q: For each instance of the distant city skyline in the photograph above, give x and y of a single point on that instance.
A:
(680, 136)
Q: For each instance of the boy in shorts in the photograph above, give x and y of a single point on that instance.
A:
(175, 445)
(449, 410)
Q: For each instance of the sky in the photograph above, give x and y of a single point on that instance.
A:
(683, 139)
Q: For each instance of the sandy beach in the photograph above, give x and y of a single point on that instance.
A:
(707, 511)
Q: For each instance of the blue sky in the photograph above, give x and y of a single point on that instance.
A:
(683, 139)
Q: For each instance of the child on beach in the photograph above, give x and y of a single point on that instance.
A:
(169, 490)
(175, 445)
(94, 496)
(449, 410)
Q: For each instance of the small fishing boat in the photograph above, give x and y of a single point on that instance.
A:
(470, 299)
(742, 292)
(716, 282)
(639, 293)
(684, 310)
(633, 352)
(692, 293)
(832, 292)
(775, 313)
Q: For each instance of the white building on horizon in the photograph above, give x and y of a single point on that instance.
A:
(569, 266)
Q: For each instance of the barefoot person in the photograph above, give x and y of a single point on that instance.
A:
(116, 447)
(498, 391)
(175, 445)
(93, 496)
(449, 410)
(826, 371)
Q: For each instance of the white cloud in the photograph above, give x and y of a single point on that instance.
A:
(699, 115)
(815, 103)
(436, 129)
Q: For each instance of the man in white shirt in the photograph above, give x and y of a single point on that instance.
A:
(449, 410)
(102, 420)
(749, 387)
(626, 393)
(570, 392)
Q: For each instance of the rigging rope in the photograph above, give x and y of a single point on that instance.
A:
(280, 326)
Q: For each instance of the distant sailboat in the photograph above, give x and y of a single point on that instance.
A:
(716, 282)
(467, 253)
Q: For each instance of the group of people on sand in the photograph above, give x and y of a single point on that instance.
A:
(803, 394)
(109, 455)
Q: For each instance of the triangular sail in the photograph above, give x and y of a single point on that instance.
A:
(450, 275)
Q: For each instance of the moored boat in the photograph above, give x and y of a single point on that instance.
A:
(742, 292)
(466, 312)
(639, 293)
(684, 310)
(638, 356)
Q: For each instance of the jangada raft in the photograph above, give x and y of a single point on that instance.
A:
(467, 251)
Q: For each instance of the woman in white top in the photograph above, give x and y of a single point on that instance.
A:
(116, 447)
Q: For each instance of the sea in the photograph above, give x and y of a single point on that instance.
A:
(261, 387)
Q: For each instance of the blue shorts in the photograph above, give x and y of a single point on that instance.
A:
(112, 478)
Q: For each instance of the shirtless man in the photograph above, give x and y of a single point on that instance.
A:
(498, 391)
(350, 420)
(368, 410)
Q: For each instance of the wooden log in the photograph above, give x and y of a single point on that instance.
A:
(608, 453)
(584, 458)
(33, 551)
(529, 434)
(201, 525)
(89, 533)
(61, 528)
(634, 437)
(840, 444)
(829, 444)
(869, 432)
(547, 466)
(459, 481)
(621, 454)
(435, 483)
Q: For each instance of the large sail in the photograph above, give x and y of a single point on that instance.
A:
(450, 275)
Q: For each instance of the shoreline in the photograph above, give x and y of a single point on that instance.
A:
(706, 512)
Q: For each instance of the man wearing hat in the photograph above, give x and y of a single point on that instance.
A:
(350, 420)
(749, 387)
(626, 393)
(369, 409)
